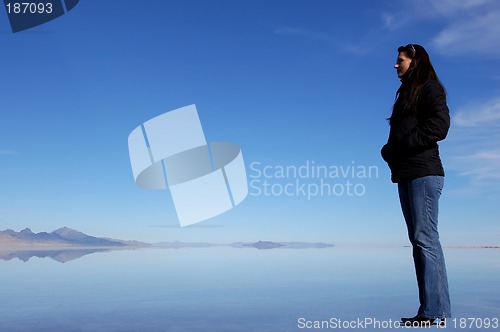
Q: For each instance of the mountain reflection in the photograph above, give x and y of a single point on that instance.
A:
(61, 256)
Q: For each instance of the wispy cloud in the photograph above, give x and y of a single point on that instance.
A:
(469, 26)
(485, 165)
(475, 140)
(390, 21)
(453, 7)
(486, 113)
(473, 34)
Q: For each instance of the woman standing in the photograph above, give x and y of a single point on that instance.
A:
(420, 118)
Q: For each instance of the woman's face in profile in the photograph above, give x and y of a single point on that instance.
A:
(402, 64)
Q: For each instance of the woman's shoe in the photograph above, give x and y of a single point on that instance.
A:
(418, 321)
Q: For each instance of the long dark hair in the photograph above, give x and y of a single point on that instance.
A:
(419, 72)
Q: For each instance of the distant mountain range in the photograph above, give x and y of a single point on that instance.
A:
(63, 245)
(257, 245)
(62, 237)
(66, 237)
(66, 244)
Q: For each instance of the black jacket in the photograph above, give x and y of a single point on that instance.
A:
(412, 150)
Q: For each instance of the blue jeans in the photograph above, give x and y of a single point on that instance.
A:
(419, 201)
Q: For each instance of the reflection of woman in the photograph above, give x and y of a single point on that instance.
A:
(420, 118)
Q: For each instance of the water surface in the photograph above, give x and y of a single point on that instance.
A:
(231, 289)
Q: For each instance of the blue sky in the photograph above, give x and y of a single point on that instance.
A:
(290, 81)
